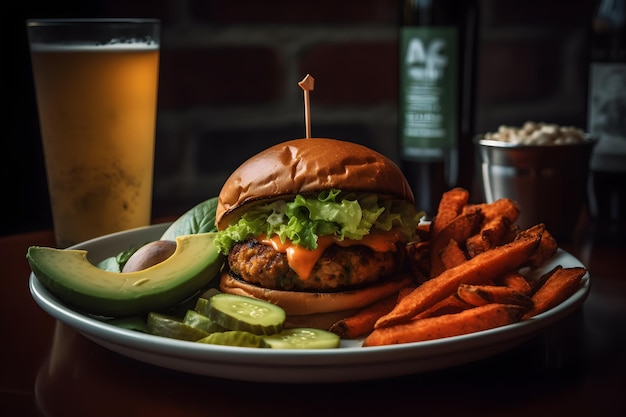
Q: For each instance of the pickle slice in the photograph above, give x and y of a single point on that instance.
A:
(234, 338)
(202, 306)
(236, 312)
(302, 338)
(172, 327)
(202, 322)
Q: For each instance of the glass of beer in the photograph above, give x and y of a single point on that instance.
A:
(96, 86)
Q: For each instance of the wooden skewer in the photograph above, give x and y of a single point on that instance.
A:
(307, 84)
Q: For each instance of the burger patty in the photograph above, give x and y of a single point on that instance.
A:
(339, 268)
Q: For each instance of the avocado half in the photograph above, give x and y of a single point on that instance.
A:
(74, 280)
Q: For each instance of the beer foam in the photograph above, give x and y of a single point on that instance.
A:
(125, 46)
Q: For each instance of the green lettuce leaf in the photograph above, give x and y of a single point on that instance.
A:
(303, 220)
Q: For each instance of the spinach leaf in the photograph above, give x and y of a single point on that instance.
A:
(199, 219)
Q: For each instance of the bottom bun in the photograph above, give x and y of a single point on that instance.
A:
(299, 303)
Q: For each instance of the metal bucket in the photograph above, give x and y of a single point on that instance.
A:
(549, 182)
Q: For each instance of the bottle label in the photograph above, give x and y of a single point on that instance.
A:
(428, 91)
(607, 116)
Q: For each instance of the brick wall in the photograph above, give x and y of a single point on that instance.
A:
(229, 74)
(229, 84)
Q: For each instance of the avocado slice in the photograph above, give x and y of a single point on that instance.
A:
(70, 276)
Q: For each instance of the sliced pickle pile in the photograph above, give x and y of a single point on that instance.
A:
(234, 320)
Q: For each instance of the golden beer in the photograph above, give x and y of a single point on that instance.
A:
(97, 111)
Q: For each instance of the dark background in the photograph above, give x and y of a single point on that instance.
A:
(229, 73)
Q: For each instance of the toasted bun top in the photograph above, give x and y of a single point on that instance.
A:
(308, 166)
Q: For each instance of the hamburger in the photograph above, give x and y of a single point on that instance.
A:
(317, 226)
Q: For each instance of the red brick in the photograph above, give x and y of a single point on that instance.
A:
(353, 73)
(161, 9)
(294, 12)
(218, 76)
(169, 153)
(515, 70)
(538, 12)
(236, 145)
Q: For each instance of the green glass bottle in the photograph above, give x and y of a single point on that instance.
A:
(437, 51)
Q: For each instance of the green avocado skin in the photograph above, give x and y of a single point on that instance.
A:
(81, 285)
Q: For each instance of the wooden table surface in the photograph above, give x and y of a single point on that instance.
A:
(575, 367)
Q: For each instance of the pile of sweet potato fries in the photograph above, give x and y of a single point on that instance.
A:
(467, 268)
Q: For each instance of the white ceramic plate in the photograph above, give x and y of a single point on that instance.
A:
(350, 362)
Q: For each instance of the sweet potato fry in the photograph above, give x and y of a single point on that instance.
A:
(423, 231)
(479, 295)
(560, 284)
(468, 321)
(537, 282)
(517, 282)
(450, 206)
(498, 216)
(449, 305)
(478, 270)
(418, 260)
(490, 235)
(511, 234)
(452, 255)
(503, 207)
(536, 230)
(363, 321)
(458, 229)
(404, 292)
(546, 250)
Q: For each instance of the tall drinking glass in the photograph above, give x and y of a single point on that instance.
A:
(96, 86)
